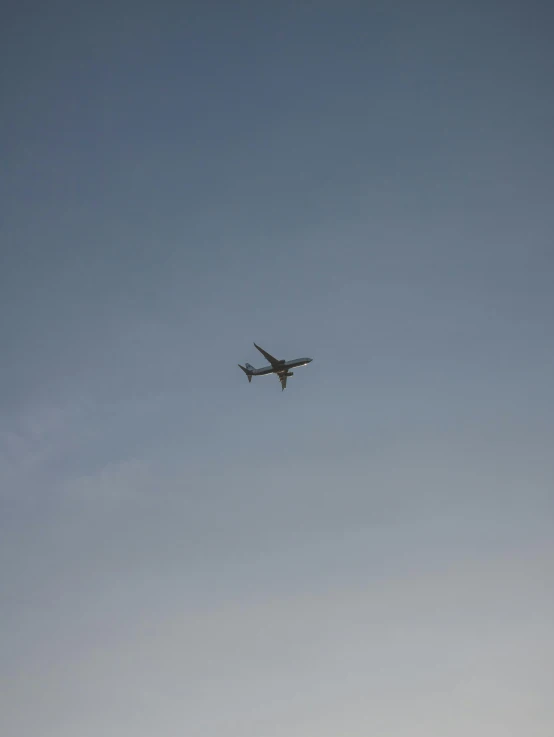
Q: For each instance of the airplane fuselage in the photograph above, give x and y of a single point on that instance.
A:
(281, 367)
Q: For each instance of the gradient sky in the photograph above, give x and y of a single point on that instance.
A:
(370, 552)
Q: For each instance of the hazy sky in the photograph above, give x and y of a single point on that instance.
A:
(370, 552)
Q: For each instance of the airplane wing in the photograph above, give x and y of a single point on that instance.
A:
(272, 360)
(283, 380)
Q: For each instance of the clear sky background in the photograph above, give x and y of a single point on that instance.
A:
(370, 552)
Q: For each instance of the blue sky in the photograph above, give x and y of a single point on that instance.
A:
(368, 552)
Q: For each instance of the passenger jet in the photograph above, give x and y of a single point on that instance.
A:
(281, 368)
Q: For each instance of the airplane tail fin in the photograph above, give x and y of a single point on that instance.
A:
(247, 370)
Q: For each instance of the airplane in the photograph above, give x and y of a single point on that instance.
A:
(279, 367)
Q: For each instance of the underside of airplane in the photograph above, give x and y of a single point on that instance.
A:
(277, 366)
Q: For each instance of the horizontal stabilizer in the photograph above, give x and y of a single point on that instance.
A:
(247, 372)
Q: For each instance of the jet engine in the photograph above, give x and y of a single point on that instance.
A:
(289, 373)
